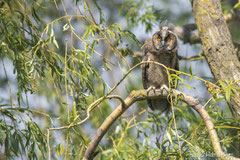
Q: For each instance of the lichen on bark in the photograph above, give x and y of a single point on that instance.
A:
(217, 45)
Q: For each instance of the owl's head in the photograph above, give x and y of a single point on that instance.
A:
(165, 40)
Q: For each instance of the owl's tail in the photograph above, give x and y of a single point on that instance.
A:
(162, 105)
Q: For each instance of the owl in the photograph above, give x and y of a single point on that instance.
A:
(161, 48)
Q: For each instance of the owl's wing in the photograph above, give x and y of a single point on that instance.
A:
(146, 47)
(145, 81)
(174, 63)
(145, 69)
(177, 64)
(144, 73)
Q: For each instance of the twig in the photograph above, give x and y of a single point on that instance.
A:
(193, 58)
(48, 145)
(90, 108)
(139, 95)
(90, 11)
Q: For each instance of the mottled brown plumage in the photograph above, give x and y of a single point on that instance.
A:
(162, 48)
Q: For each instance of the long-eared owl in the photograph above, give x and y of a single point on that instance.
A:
(161, 48)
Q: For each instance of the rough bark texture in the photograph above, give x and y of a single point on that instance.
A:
(217, 44)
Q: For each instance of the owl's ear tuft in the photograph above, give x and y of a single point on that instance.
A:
(163, 23)
(171, 27)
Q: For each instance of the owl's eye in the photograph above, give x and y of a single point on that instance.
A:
(159, 38)
(168, 39)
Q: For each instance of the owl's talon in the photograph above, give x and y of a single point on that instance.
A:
(151, 88)
(164, 87)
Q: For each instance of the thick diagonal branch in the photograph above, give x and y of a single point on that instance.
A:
(142, 95)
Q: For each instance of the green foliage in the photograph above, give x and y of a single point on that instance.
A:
(138, 12)
(17, 140)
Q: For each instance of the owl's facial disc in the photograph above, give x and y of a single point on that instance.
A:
(164, 41)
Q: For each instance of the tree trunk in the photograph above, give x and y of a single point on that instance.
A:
(217, 45)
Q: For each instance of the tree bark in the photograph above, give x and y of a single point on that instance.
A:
(217, 45)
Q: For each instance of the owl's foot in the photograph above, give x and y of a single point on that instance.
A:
(151, 88)
(164, 87)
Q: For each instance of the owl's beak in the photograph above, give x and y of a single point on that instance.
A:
(163, 42)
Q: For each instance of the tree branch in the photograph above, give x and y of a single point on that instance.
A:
(192, 58)
(138, 95)
(141, 54)
(185, 32)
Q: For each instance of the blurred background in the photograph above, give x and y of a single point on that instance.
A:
(57, 57)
